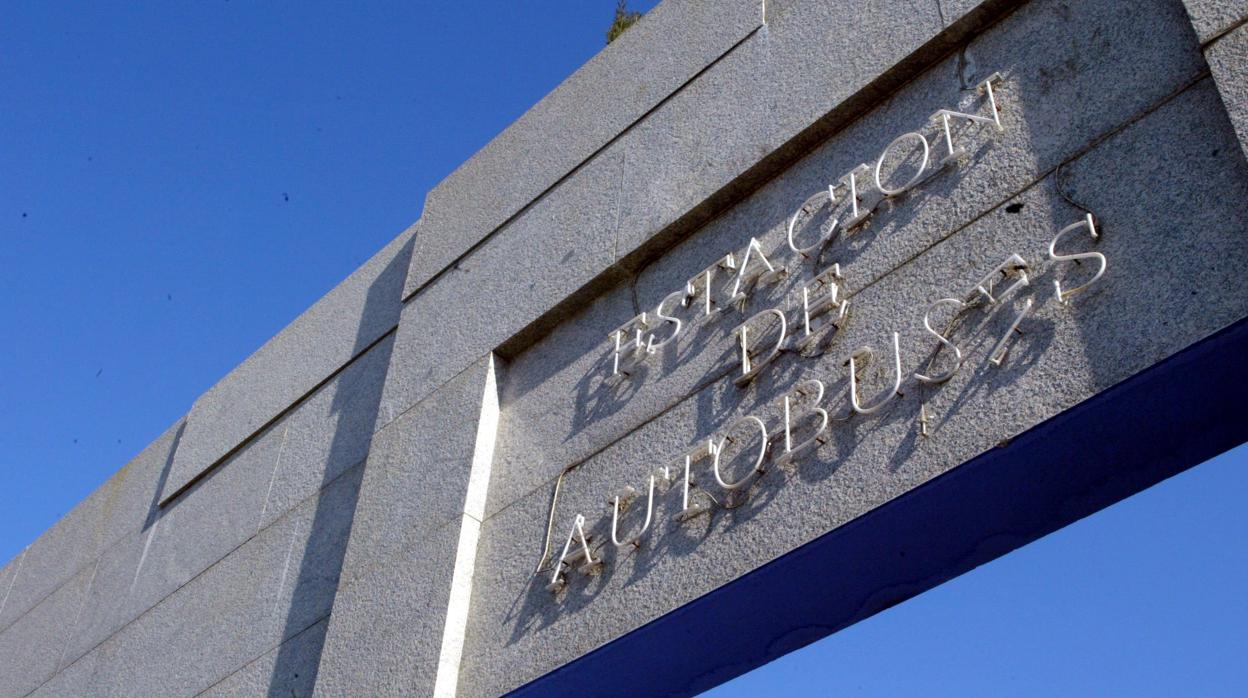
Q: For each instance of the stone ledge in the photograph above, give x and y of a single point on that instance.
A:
(308, 352)
(1212, 18)
(568, 126)
(1228, 61)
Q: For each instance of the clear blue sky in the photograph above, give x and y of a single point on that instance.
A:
(179, 181)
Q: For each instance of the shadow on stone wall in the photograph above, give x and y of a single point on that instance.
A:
(328, 535)
(1083, 166)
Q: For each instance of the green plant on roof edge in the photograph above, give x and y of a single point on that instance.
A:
(624, 18)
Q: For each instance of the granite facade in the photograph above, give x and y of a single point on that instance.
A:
(311, 524)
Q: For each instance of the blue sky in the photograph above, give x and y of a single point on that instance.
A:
(180, 181)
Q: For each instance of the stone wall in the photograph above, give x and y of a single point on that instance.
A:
(375, 502)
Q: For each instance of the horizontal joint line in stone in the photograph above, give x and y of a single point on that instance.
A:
(577, 168)
(209, 470)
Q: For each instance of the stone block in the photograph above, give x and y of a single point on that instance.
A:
(1115, 70)
(594, 105)
(1131, 318)
(205, 525)
(8, 575)
(52, 560)
(557, 403)
(1041, 133)
(266, 591)
(959, 13)
(340, 326)
(288, 463)
(31, 647)
(328, 432)
(119, 508)
(1210, 18)
(115, 598)
(385, 633)
(77, 679)
(493, 293)
(212, 519)
(808, 62)
(417, 472)
(130, 496)
(1228, 61)
(273, 674)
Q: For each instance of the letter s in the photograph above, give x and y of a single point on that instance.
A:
(1090, 224)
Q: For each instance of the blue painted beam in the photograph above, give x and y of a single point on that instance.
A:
(1160, 422)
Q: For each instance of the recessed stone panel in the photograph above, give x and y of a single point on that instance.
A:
(1129, 319)
(574, 361)
(541, 258)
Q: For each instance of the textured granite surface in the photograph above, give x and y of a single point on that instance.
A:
(387, 626)
(568, 126)
(573, 361)
(269, 590)
(1212, 18)
(1065, 354)
(320, 486)
(121, 507)
(340, 326)
(1228, 60)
